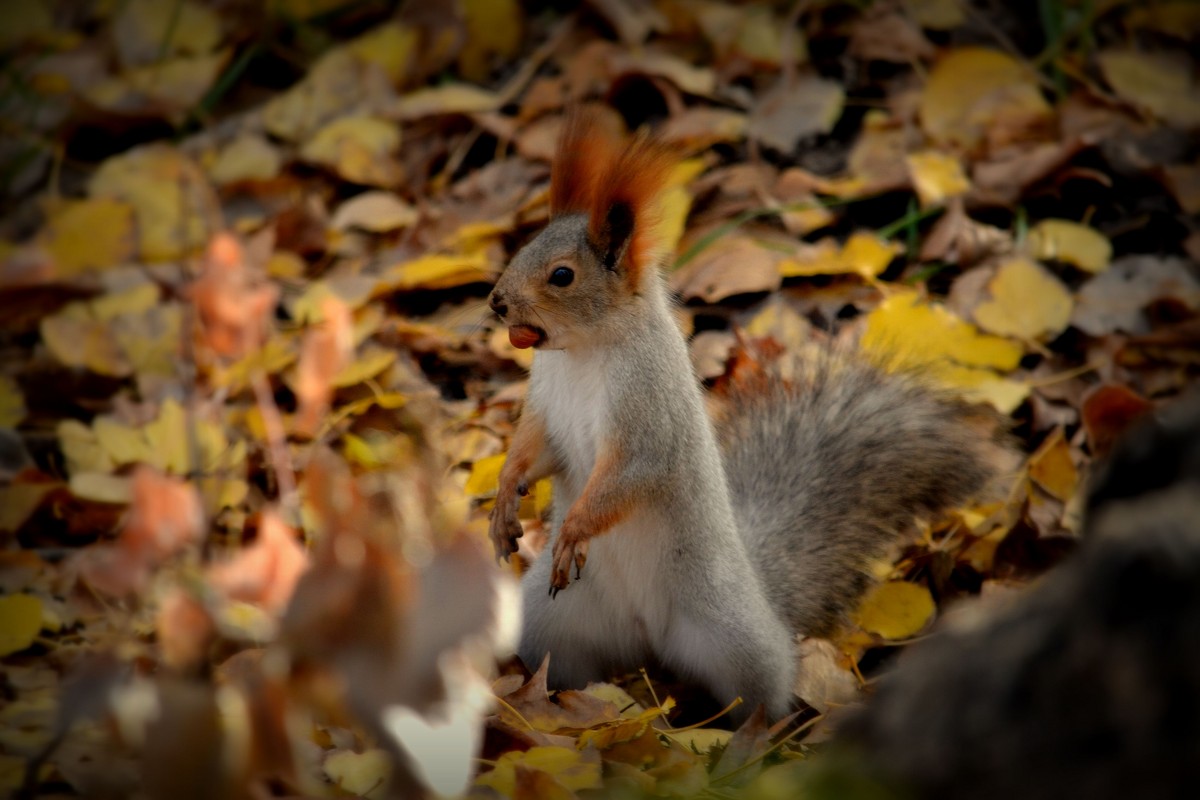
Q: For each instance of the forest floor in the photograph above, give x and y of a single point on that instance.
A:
(253, 404)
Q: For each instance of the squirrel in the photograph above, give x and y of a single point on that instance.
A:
(702, 545)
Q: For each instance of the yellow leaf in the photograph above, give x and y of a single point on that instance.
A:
(452, 98)
(82, 449)
(373, 450)
(1063, 240)
(167, 438)
(368, 365)
(20, 621)
(134, 300)
(84, 235)
(390, 46)
(761, 37)
(1052, 468)
(484, 479)
(701, 740)
(123, 443)
(573, 769)
(936, 177)
(168, 88)
(249, 157)
(1027, 302)
(357, 148)
(863, 254)
(973, 89)
(363, 774)
(895, 610)
(146, 30)
(904, 332)
(84, 343)
(175, 209)
(493, 29)
(940, 15)
(101, 488)
(436, 272)
(275, 356)
(286, 265)
(1158, 82)
(152, 340)
(924, 334)
(330, 89)
(12, 403)
(18, 501)
(378, 212)
(674, 205)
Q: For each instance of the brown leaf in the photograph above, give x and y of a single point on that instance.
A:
(1119, 299)
(1108, 411)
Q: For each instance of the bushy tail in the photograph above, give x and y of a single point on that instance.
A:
(828, 466)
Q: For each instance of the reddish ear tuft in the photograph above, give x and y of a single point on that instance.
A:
(635, 179)
(596, 171)
(586, 149)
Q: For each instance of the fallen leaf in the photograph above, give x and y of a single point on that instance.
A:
(973, 93)
(863, 254)
(905, 332)
(822, 679)
(375, 211)
(174, 207)
(1070, 242)
(340, 83)
(1107, 412)
(363, 774)
(1158, 82)
(733, 264)
(494, 29)
(1027, 301)
(146, 30)
(1118, 299)
(451, 98)
(359, 149)
(12, 403)
(787, 113)
(88, 235)
(895, 610)
(249, 157)
(20, 621)
(435, 272)
(571, 769)
(936, 177)
(170, 89)
(941, 15)
(1052, 467)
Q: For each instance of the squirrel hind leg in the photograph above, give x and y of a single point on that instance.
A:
(736, 656)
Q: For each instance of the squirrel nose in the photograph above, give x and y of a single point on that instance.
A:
(496, 301)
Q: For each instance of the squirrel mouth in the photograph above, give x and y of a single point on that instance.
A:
(525, 336)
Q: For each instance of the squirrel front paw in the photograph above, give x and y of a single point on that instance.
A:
(571, 546)
(504, 528)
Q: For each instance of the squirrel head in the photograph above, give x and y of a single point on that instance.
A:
(580, 278)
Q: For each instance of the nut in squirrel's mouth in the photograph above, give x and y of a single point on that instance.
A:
(525, 336)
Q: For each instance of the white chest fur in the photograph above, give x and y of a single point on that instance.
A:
(570, 391)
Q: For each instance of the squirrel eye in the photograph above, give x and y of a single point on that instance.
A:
(562, 276)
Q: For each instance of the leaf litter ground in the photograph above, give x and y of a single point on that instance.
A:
(252, 406)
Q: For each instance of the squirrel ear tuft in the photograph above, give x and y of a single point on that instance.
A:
(623, 219)
(586, 150)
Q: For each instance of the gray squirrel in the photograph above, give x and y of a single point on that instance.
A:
(697, 544)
